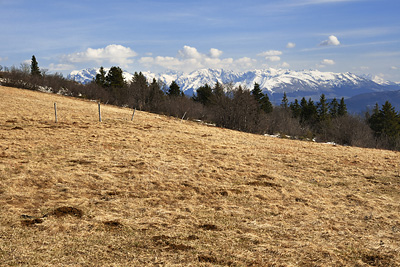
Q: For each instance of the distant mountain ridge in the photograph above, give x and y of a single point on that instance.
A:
(296, 84)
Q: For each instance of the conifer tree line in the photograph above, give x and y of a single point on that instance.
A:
(225, 105)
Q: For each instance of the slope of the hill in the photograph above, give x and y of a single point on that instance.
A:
(158, 191)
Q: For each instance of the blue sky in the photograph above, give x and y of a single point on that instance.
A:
(359, 36)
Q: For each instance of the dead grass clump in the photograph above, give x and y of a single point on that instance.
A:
(31, 222)
(375, 258)
(166, 242)
(263, 183)
(181, 247)
(113, 224)
(17, 128)
(206, 258)
(64, 211)
(214, 260)
(209, 227)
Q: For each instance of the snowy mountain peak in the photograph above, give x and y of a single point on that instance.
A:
(308, 83)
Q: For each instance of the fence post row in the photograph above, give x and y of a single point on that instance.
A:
(56, 118)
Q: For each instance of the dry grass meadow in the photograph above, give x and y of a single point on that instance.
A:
(158, 191)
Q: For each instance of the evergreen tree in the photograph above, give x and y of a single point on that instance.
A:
(35, 71)
(322, 109)
(155, 90)
(303, 108)
(285, 102)
(114, 78)
(101, 77)
(312, 109)
(262, 99)
(139, 80)
(218, 90)
(308, 111)
(257, 93)
(204, 94)
(266, 104)
(391, 120)
(333, 108)
(296, 109)
(342, 108)
(374, 120)
(174, 90)
(386, 125)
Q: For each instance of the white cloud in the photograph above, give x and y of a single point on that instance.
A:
(291, 45)
(328, 62)
(215, 53)
(245, 62)
(285, 65)
(60, 67)
(332, 40)
(113, 54)
(394, 68)
(168, 62)
(189, 59)
(271, 55)
(189, 53)
(3, 59)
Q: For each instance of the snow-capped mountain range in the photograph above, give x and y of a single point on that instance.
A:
(305, 83)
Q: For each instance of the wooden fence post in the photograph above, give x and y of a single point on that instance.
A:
(99, 113)
(183, 115)
(55, 111)
(133, 114)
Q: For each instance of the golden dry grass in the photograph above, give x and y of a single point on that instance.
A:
(159, 191)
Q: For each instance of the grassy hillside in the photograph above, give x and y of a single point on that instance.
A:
(158, 191)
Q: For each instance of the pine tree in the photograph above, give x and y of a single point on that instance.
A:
(155, 90)
(263, 99)
(386, 124)
(115, 78)
(101, 77)
(257, 93)
(204, 94)
(266, 104)
(390, 120)
(333, 108)
(139, 80)
(174, 90)
(285, 102)
(312, 109)
(296, 109)
(375, 121)
(342, 108)
(35, 71)
(218, 90)
(322, 109)
(308, 111)
(303, 108)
